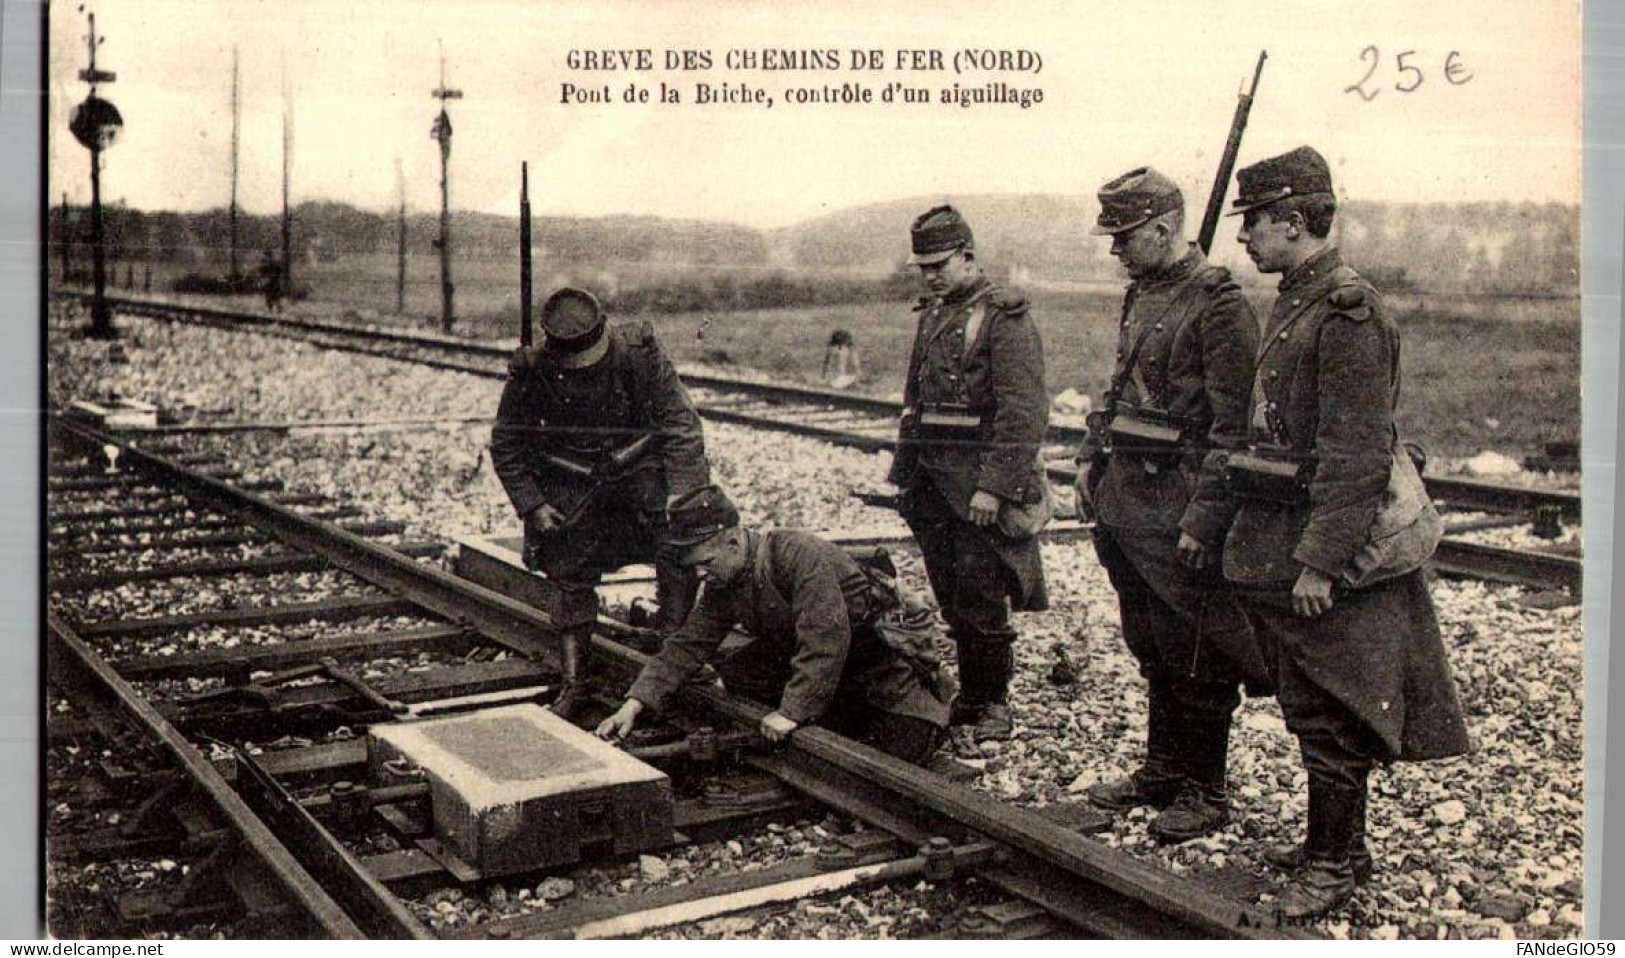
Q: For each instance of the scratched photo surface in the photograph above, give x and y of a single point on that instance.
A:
(742, 178)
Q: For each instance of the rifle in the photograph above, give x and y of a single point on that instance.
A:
(525, 333)
(1227, 161)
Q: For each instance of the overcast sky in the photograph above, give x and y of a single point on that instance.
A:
(1124, 83)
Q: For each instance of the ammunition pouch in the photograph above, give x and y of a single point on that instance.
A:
(1143, 432)
(1269, 474)
(948, 423)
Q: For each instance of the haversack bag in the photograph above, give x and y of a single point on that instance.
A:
(1405, 532)
(1025, 520)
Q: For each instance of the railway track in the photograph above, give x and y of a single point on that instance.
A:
(870, 424)
(191, 618)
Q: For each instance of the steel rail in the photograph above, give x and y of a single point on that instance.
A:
(1152, 899)
(68, 657)
(1455, 491)
(1539, 570)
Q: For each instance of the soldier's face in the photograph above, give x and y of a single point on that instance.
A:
(951, 275)
(719, 559)
(1270, 243)
(1140, 250)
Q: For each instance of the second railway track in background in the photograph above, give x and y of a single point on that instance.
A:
(291, 840)
(870, 424)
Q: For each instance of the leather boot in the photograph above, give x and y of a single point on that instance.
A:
(1326, 879)
(1289, 856)
(1158, 781)
(575, 640)
(984, 679)
(1202, 806)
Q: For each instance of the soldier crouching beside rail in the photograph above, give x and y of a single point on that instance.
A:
(594, 437)
(1178, 396)
(973, 489)
(831, 642)
(1332, 530)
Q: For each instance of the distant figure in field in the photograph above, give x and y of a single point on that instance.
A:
(843, 349)
(271, 273)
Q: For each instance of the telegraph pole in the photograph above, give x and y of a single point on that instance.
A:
(400, 239)
(96, 123)
(287, 210)
(525, 334)
(236, 127)
(441, 131)
(65, 242)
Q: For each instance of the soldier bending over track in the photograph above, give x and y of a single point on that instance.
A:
(830, 641)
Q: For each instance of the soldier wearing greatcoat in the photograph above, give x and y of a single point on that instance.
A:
(594, 437)
(1178, 398)
(826, 641)
(976, 409)
(1332, 530)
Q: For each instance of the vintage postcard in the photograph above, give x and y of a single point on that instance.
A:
(813, 470)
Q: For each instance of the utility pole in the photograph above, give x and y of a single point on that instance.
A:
(441, 131)
(65, 241)
(96, 123)
(287, 210)
(525, 333)
(236, 127)
(400, 239)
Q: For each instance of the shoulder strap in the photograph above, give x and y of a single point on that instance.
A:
(1131, 368)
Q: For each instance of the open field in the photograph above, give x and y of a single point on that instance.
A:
(1479, 372)
(1504, 376)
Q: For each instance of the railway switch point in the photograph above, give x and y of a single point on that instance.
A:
(518, 789)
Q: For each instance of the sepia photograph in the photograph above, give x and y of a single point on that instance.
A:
(839, 470)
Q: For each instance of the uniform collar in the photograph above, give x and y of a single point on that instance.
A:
(969, 293)
(1312, 270)
(1174, 272)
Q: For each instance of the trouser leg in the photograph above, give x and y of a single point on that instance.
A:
(675, 589)
(577, 613)
(901, 736)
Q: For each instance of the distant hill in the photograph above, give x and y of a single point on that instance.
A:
(1043, 233)
(1522, 248)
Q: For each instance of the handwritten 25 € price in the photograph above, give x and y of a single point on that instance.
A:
(1410, 71)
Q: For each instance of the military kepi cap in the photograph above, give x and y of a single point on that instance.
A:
(699, 515)
(937, 234)
(1302, 172)
(1135, 198)
(573, 320)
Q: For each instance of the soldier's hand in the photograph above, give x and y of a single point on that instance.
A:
(984, 508)
(1312, 593)
(544, 518)
(620, 724)
(1193, 553)
(776, 727)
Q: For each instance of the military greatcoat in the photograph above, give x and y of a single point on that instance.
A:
(1326, 387)
(583, 415)
(1192, 338)
(996, 371)
(806, 607)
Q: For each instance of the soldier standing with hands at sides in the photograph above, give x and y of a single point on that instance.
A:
(975, 411)
(1178, 395)
(594, 437)
(829, 642)
(1332, 529)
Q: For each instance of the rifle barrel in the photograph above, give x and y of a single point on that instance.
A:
(1227, 161)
